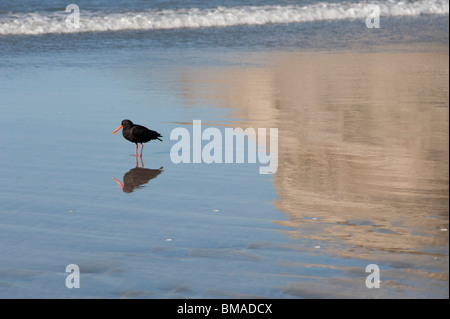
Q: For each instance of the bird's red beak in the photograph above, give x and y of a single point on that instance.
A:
(117, 129)
(120, 184)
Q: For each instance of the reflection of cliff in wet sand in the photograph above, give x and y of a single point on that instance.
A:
(363, 143)
(135, 178)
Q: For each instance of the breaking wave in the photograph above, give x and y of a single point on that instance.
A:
(97, 21)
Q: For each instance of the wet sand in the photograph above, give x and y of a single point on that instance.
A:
(363, 156)
(362, 175)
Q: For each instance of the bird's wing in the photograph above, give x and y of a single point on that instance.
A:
(138, 129)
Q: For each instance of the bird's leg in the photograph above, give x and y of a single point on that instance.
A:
(142, 147)
(136, 149)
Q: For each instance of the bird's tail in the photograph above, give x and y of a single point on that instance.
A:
(159, 139)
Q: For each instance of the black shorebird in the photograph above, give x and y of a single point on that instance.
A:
(137, 134)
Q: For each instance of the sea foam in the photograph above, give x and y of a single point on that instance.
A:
(98, 21)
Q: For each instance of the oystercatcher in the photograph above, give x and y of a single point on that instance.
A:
(137, 134)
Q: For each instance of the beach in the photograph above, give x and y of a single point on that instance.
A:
(356, 174)
(362, 117)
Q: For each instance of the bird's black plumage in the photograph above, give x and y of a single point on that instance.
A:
(137, 133)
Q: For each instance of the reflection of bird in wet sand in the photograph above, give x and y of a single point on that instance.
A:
(136, 177)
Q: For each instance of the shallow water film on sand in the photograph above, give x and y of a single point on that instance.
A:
(354, 199)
